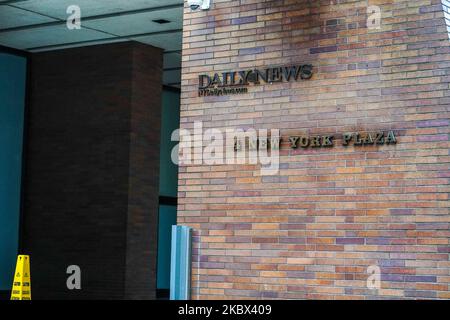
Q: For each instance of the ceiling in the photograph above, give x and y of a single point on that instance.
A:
(40, 25)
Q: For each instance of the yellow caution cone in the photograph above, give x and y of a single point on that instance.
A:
(22, 279)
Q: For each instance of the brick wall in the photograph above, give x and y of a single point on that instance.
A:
(312, 230)
(92, 164)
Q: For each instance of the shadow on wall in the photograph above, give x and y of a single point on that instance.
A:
(313, 34)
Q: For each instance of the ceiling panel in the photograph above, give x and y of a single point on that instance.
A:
(57, 8)
(123, 21)
(48, 36)
(11, 17)
(90, 43)
(139, 23)
(169, 42)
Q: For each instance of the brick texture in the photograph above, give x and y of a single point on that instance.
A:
(91, 184)
(312, 231)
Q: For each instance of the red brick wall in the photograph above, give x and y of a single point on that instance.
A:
(312, 230)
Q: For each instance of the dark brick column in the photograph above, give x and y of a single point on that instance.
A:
(92, 171)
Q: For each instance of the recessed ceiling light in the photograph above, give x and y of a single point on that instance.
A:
(161, 21)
